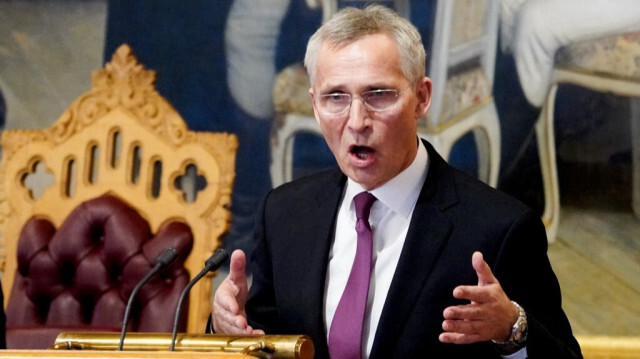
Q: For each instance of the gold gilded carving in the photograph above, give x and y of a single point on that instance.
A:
(11, 144)
(122, 83)
(18, 139)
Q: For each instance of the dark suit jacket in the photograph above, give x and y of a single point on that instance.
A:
(455, 215)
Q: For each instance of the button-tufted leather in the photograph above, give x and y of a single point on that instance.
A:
(80, 276)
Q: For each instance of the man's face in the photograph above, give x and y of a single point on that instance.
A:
(371, 147)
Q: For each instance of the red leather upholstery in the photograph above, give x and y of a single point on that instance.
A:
(80, 276)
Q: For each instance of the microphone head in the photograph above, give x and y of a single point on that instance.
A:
(216, 259)
(169, 255)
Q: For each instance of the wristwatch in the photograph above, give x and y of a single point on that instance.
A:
(518, 337)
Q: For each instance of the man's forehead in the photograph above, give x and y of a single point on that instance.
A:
(333, 44)
(372, 60)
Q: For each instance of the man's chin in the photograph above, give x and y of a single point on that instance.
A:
(364, 177)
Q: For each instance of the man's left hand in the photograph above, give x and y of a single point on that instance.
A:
(489, 316)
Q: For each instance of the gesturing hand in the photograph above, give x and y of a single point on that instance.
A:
(490, 315)
(229, 316)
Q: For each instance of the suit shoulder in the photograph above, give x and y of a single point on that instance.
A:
(470, 189)
(316, 183)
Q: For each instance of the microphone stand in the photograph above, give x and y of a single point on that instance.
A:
(168, 256)
(211, 264)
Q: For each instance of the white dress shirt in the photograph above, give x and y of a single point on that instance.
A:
(389, 219)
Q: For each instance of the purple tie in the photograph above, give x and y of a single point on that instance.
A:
(345, 335)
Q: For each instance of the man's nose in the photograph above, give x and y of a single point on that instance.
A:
(358, 114)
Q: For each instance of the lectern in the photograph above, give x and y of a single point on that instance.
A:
(156, 345)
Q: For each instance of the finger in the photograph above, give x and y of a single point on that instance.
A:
(230, 323)
(226, 303)
(240, 321)
(227, 300)
(458, 338)
(464, 312)
(485, 276)
(245, 328)
(237, 267)
(476, 294)
(232, 328)
(466, 327)
(225, 323)
(225, 311)
(226, 296)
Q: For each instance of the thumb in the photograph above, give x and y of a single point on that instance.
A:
(485, 276)
(237, 267)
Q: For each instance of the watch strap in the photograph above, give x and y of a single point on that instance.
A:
(518, 337)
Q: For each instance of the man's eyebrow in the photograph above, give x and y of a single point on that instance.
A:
(332, 89)
(341, 88)
(379, 87)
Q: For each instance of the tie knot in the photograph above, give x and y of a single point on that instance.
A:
(363, 202)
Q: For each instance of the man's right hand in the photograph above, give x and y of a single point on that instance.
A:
(229, 316)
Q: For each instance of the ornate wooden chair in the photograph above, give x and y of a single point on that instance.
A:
(87, 205)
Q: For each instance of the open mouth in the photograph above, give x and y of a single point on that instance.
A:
(362, 152)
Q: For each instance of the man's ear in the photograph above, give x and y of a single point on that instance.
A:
(423, 92)
(313, 103)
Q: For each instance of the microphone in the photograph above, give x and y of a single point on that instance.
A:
(211, 264)
(163, 260)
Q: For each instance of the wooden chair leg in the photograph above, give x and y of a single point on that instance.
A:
(487, 136)
(635, 153)
(547, 153)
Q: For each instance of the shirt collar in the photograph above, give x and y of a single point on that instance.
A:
(399, 194)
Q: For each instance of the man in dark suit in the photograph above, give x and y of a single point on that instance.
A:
(456, 269)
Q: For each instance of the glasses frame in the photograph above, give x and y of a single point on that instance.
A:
(362, 97)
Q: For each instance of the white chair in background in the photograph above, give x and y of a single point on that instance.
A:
(462, 70)
(609, 64)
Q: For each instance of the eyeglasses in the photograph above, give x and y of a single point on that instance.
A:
(374, 100)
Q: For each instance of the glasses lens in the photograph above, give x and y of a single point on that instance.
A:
(378, 100)
(334, 102)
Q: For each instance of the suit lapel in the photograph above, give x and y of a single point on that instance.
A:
(428, 233)
(311, 252)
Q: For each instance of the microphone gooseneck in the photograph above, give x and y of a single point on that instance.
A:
(211, 264)
(163, 260)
